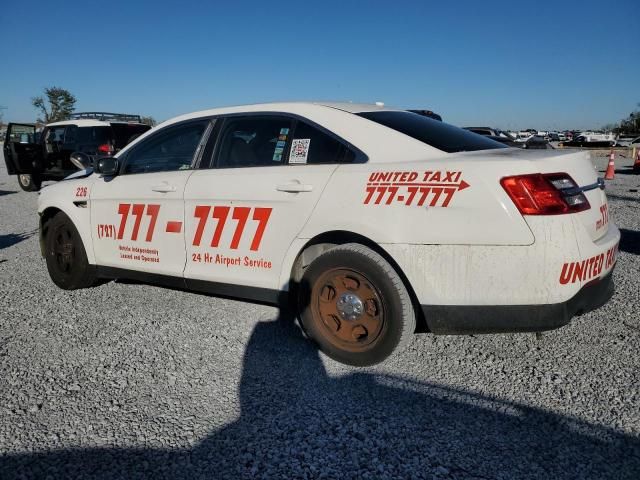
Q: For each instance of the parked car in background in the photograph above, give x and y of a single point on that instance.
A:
(586, 142)
(495, 134)
(531, 142)
(628, 142)
(49, 155)
(427, 113)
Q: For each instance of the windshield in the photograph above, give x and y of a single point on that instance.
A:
(437, 134)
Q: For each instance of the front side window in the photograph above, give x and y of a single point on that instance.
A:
(253, 142)
(437, 134)
(311, 145)
(168, 150)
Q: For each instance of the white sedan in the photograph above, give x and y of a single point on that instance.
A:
(376, 222)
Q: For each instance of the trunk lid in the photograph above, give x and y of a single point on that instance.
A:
(578, 165)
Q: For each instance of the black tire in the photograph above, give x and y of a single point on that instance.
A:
(65, 255)
(29, 182)
(361, 331)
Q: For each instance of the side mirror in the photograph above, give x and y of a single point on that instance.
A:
(107, 166)
(80, 160)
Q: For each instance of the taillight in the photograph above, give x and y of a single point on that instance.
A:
(545, 194)
(105, 148)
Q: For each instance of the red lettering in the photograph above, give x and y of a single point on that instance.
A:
(370, 192)
(152, 211)
(567, 271)
(123, 210)
(448, 176)
(240, 214)
(201, 212)
(220, 213)
(137, 210)
(262, 216)
(577, 272)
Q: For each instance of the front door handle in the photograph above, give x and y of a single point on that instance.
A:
(294, 187)
(164, 188)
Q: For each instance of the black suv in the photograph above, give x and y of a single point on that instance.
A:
(47, 155)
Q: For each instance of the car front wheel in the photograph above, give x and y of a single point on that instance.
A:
(65, 255)
(355, 306)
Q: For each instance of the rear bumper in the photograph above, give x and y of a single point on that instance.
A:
(468, 319)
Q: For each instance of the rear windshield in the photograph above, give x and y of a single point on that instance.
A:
(125, 133)
(93, 135)
(437, 134)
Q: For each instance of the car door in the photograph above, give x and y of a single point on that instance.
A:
(266, 175)
(137, 216)
(21, 152)
(53, 138)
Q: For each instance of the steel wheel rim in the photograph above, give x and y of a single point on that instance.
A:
(339, 319)
(24, 179)
(63, 249)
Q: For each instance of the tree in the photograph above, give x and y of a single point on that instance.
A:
(149, 121)
(61, 104)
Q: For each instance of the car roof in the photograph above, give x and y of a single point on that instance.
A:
(89, 123)
(374, 139)
(283, 107)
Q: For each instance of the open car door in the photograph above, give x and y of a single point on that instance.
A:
(21, 152)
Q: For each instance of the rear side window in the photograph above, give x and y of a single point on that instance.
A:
(311, 145)
(253, 142)
(437, 134)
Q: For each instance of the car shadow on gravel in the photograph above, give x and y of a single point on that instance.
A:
(6, 192)
(297, 421)
(10, 239)
(629, 241)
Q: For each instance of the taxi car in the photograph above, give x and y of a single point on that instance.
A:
(375, 222)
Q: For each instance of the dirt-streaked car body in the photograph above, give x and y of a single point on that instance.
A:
(375, 219)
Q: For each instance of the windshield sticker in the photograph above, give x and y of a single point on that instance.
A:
(299, 150)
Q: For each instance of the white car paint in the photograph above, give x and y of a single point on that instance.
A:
(475, 250)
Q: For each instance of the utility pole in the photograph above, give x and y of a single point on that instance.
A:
(2, 107)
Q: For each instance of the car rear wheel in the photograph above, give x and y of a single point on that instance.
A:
(65, 255)
(29, 182)
(354, 305)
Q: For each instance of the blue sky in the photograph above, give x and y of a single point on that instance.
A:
(506, 64)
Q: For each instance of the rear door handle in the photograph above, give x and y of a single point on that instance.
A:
(295, 187)
(164, 188)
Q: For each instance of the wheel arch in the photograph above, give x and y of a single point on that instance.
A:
(317, 245)
(45, 217)
(85, 233)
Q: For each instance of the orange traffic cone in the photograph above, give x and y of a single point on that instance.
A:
(611, 168)
(636, 164)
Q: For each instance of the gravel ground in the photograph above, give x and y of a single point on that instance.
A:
(134, 381)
